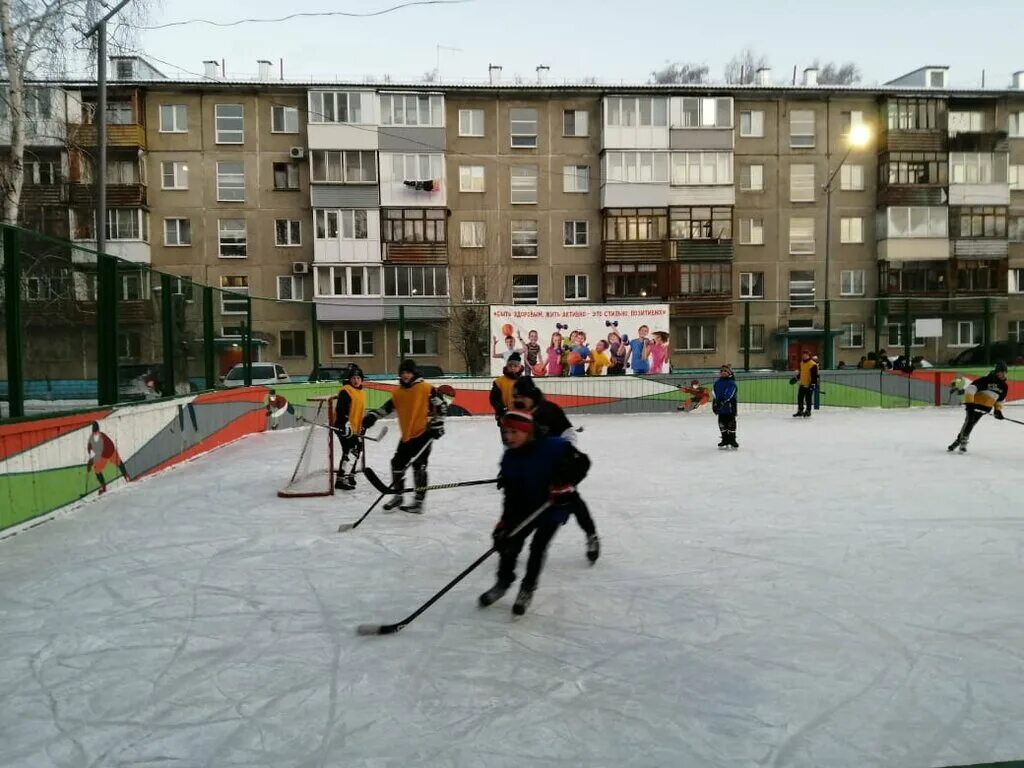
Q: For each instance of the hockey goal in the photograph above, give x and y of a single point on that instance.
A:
(315, 470)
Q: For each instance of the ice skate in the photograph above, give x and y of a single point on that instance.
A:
(395, 503)
(593, 548)
(954, 445)
(415, 506)
(522, 601)
(492, 595)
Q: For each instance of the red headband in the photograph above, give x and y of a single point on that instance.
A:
(519, 420)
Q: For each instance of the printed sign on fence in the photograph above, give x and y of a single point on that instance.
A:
(582, 339)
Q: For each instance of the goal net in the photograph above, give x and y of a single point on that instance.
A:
(315, 470)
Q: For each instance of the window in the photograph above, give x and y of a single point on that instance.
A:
(232, 331)
(173, 118)
(129, 345)
(752, 178)
(286, 175)
(174, 175)
(968, 333)
(576, 234)
(631, 280)
(177, 232)
(524, 184)
(913, 277)
(752, 124)
(916, 114)
(471, 178)
(700, 223)
(473, 234)
(966, 122)
(801, 183)
(936, 79)
(352, 343)
(755, 337)
(622, 224)
(337, 106)
(577, 287)
(230, 121)
(697, 337)
(895, 338)
(127, 224)
(801, 128)
(851, 178)
(801, 235)
(637, 167)
(697, 168)
(134, 286)
(575, 122)
(232, 240)
(474, 289)
(975, 276)
(978, 221)
(906, 221)
(231, 181)
(1015, 229)
(348, 281)
(284, 119)
(344, 167)
(576, 178)
(1017, 124)
(523, 126)
(801, 288)
(849, 120)
(289, 288)
(415, 281)
(326, 224)
(1015, 176)
(419, 342)
(412, 109)
(525, 289)
(1015, 331)
(234, 294)
(706, 112)
(1016, 279)
(851, 282)
(293, 343)
(41, 172)
(118, 113)
(751, 285)
(287, 232)
(976, 168)
(914, 168)
(118, 172)
(415, 225)
(37, 104)
(751, 232)
(525, 239)
(705, 279)
(851, 229)
(352, 223)
(471, 122)
(417, 167)
(632, 111)
(851, 336)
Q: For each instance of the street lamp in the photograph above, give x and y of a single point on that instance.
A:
(858, 138)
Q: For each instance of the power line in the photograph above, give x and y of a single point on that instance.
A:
(303, 15)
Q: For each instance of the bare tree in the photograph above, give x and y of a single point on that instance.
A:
(742, 68)
(468, 328)
(680, 73)
(832, 73)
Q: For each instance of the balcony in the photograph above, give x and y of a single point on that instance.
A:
(994, 141)
(135, 251)
(635, 250)
(131, 135)
(915, 141)
(118, 195)
(912, 194)
(44, 194)
(703, 250)
(701, 306)
(914, 249)
(981, 248)
(416, 253)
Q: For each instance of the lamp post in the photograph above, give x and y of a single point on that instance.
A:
(858, 138)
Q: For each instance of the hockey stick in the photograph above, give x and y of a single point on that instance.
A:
(390, 629)
(349, 526)
(377, 483)
(376, 439)
(1015, 421)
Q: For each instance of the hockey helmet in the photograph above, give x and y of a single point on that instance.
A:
(999, 367)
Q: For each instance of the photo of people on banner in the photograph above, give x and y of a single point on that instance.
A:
(587, 340)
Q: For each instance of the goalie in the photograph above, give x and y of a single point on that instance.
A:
(349, 427)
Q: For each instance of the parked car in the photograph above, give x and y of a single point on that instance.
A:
(140, 381)
(267, 374)
(1010, 352)
(430, 371)
(331, 372)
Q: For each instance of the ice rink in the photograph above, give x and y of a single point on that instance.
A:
(839, 592)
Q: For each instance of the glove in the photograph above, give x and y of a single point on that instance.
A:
(344, 432)
(499, 535)
(715, 407)
(369, 419)
(793, 380)
(436, 430)
(558, 493)
(998, 415)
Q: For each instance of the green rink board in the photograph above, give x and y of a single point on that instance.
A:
(780, 391)
(32, 494)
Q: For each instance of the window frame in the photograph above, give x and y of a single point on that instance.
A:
(291, 335)
(575, 176)
(524, 173)
(805, 139)
(242, 244)
(848, 336)
(469, 172)
(233, 176)
(471, 113)
(571, 233)
(752, 285)
(855, 276)
(705, 223)
(178, 231)
(976, 332)
(527, 140)
(219, 132)
(434, 106)
(757, 334)
(576, 280)
(750, 228)
(522, 243)
(847, 235)
(288, 167)
(174, 118)
(811, 244)
(750, 115)
(686, 344)
(411, 272)
(847, 181)
(234, 293)
(525, 282)
(175, 165)
(748, 171)
(576, 113)
(414, 225)
(297, 288)
(429, 337)
(478, 234)
(285, 111)
(802, 186)
(342, 165)
(364, 342)
(795, 300)
(292, 230)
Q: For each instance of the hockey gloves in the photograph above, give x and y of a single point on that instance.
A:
(436, 430)
(370, 419)
(998, 415)
(500, 536)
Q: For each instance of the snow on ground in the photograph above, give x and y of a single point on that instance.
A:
(840, 592)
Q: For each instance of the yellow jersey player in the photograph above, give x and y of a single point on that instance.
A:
(981, 396)
(348, 426)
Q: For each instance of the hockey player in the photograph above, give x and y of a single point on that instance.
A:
(534, 469)
(348, 426)
(724, 405)
(808, 380)
(501, 389)
(982, 396)
(698, 396)
(550, 420)
(420, 410)
(102, 451)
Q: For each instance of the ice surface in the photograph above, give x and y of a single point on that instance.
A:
(840, 592)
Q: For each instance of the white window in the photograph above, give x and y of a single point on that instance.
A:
(471, 122)
(415, 281)
(471, 178)
(174, 175)
(474, 289)
(234, 291)
(851, 282)
(41, 172)
(801, 235)
(974, 168)
(348, 281)
(752, 178)
(525, 289)
(229, 120)
(523, 125)
(412, 109)
(1015, 331)
(801, 288)
(968, 333)
(418, 167)
(801, 183)
(353, 224)
(524, 184)
(173, 118)
(289, 288)
(698, 168)
(287, 232)
(755, 336)
(284, 119)
(1016, 276)
(177, 232)
(697, 337)
(351, 343)
(801, 128)
(337, 106)
(576, 178)
(1015, 176)
(326, 224)
(575, 122)
(851, 178)
(127, 224)
(751, 232)
(751, 285)
(637, 167)
(231, 181)
(851, 229)
(705, 112)
(232, 239)
(420, 341)
(631, 111)
(752, 123)
(525, 239)
(1017, 124)
(344, 167)
(852, 336)
(576, 234)
(894, 334)
(850, 120)
(903, 221)
(473, 234)
(966, 122)
(577, 288)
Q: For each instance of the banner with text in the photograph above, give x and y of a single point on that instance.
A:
(582, 340)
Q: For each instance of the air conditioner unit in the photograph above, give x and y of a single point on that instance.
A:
(297, 152)
(300, 268)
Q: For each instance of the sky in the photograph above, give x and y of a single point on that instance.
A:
(610, 41)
